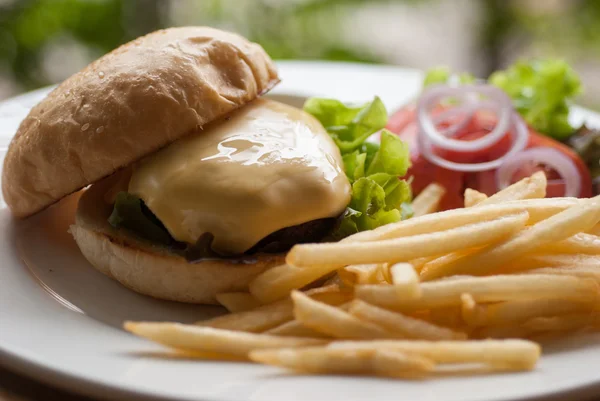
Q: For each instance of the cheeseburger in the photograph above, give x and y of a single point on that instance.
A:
(195, 183)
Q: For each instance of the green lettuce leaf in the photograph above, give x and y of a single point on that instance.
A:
(348, 125)
(379, 196)
(346, 227)
(354, 165)
(541, 91)
(370, 149)
(331, 112)
(396, 191)
(437, 75)
(443, 75)
(376, 206)
(392, 157)
(131, 213)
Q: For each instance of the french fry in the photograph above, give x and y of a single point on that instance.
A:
(208, 339)
(502, 332)
(558, 260)
(268, 316)
(384, 269)
(592, 272)
(333, 280)
(404, 276)
(330, 295)
(447, 293)
(333, 321)
(569, 322)
(515, 312)
(560, 226)
(473, 197)
(237, 301)
(470, 310)
(294, 328)
(386, 293)
(538, 209)
(594, 230)
(528, 188)
(418, 263)
(386, 363)
(363, 274)
(437, 263)
(536, 261)
(581, 243)
(406, 248)
(256, 320)
(276, 283)
(450, 317)
(506, 355)
(404, 326)
(467, 301)
(454, 278)
(345, 306)
(192, 355)
(428, 200)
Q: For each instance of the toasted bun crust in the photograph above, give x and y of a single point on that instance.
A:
(152, 270)
(128, 104)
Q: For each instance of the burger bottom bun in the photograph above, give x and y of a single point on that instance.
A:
(153, 270)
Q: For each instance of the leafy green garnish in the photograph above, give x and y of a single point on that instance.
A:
(392, 157)
(379, 196)
(443, 75)
(541, 91)
(437, 75)
(130, 212)
(349, 126)
(346, 226)
(331, 112)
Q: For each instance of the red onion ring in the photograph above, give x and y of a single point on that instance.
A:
(467, 110)
(550, 157)
(469, 94)
(519, 134)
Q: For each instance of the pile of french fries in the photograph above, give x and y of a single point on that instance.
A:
(463, 288)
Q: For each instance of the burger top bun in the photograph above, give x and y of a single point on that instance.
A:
(126, 105)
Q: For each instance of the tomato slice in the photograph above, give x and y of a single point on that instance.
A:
(402, 118)
(423, 172)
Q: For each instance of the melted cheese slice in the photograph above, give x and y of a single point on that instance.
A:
(265, 167)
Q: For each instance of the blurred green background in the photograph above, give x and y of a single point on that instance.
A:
(45, 41)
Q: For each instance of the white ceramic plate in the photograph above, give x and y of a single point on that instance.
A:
(60, 319)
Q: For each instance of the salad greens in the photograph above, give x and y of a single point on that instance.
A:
(443, 74)
(349, 126)
(378, 196)
(541, 91)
